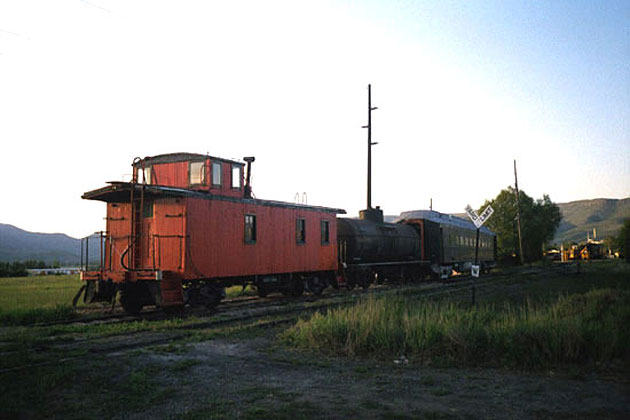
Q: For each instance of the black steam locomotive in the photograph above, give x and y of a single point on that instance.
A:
(417, 244)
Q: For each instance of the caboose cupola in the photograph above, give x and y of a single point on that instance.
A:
(192, 171)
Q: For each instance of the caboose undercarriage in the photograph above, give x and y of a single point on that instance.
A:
(165, 290)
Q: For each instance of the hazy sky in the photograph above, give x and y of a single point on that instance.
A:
(462, 87)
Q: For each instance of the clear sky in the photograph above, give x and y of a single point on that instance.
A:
(463, 89)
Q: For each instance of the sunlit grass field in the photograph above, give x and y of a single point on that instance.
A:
(37, 291)
(37, 298)
(26, 300)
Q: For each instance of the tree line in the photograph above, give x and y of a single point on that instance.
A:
(19, 268)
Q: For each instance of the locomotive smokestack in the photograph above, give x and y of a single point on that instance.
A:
(248, 187)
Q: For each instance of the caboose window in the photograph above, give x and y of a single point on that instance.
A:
(147, 209)
(325, 232)
(196, 173)
(236, 177)
(250, 228)
(144, 175)
(216, 174)
(300, 231)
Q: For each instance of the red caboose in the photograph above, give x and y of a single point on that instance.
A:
(187, 226)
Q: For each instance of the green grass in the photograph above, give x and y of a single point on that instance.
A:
(236, 291)
(28, 300)
(24, 395)
(36, 315)
(536, 331)
(38, 291)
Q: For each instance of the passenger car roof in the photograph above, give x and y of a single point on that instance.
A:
(441, 218)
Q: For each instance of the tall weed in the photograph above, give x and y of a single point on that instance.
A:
(575, 329)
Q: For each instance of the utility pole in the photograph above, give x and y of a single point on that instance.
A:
(374, 215)
(518, 217)
(369, 146)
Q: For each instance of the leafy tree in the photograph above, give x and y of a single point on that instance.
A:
(539, 221)
(622, 241)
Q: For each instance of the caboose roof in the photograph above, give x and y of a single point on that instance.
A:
(441, 218)
(181, 157)
(119, 192)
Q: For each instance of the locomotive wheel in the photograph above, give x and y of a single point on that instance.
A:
(351, 280)
(316, 284)
(130, 299)
(364, 279)
(364, 282)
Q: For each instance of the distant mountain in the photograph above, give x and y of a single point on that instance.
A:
(579, 218)
(19, 245)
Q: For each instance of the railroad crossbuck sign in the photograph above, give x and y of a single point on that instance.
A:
(478, 221)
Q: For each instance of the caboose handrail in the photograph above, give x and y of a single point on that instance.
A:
(84, 257)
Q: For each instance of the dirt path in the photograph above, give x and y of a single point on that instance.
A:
(256, 378)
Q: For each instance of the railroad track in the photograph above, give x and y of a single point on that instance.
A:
(251, 302)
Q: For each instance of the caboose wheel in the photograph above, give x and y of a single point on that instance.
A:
(261, 290)
(130, 299)
(316, 284)
(211, 295)
(295, 287)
